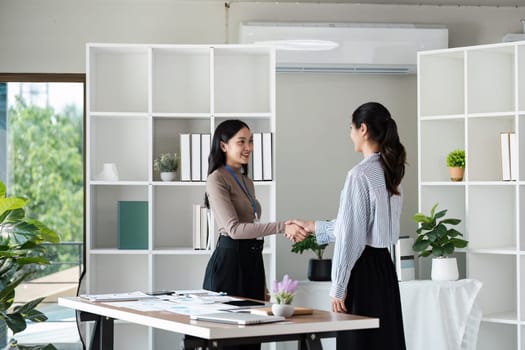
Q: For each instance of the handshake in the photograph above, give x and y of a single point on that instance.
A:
(297, 230)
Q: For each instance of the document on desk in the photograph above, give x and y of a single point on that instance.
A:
(117, 296)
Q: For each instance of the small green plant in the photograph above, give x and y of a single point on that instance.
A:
(167, 162)
(456, 159)
(434, 237)
(309, 243)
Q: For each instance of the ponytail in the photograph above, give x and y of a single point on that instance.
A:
(383, 130)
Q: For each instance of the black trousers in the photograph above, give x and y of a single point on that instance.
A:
(373, 290)
(237, 268)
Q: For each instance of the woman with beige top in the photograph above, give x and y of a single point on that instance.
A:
(236, 266)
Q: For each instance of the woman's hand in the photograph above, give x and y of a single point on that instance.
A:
(308, 225)
(338, 305)
(294, 232)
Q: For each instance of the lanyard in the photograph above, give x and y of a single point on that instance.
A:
(244, 189)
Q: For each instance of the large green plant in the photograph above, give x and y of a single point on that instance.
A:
(309, 243)
(21, 249)
(434, 237)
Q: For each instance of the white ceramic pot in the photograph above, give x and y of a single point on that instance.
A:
(109, 172)
(444, 269)
(168, 176)
(285, 310)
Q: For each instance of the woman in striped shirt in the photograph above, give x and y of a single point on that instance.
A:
(364, 279)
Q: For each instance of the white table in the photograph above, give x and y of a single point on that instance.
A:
(308, 329)
(440, 315)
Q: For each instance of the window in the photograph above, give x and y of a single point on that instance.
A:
(42, 159)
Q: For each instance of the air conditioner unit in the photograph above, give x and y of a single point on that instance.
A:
(360, 47)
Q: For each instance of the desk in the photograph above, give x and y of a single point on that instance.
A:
(440, 315)
(308, 329)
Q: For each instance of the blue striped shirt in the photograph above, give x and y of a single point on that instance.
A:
(367, 215)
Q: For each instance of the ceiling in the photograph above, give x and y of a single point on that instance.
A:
(492, 3)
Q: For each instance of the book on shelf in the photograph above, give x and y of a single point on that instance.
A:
(185, 157)
(297, 310)
(205, 152)
(195, 157)
(132, 225)
(509, 156)
(404, 259)
(267, 156)
(257, 156)
(200, 227)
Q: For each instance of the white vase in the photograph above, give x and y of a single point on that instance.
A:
(285, 310)
(444, 269)
(109, 172)
(168, 176)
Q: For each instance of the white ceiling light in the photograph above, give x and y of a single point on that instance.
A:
(300, 45)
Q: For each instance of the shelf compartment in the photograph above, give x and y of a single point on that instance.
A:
(451, 198)
(242, 82)
(255, 124)
(497, 336)
(522, 286)
(490, 80)
(434, 163)
(107, 273)
(493, 298)
(441, 78)
(484, 147)
(492, 217)
(122, 141)
(165, 340)
(181, 79)
(166, 136)
(131, 336)
(521, 146)
(171, 272)
(522, 219)
(172, 215)
(521, 88)
(118, 79)
(104, 212)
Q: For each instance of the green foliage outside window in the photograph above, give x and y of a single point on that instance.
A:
(46, 166)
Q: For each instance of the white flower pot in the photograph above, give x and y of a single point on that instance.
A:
(109, 172)
(168, 176)
(444, 269)
(285, 310)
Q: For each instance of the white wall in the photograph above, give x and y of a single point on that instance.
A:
(313, 147)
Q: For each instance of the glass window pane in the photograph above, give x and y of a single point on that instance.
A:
(42, 160)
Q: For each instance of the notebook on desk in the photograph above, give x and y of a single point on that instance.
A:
(237, 318)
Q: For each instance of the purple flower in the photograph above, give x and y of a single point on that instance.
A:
(283, 291)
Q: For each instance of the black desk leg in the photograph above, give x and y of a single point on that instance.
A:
(310, 342)
(104, 331)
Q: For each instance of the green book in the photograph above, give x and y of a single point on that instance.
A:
(132, 225)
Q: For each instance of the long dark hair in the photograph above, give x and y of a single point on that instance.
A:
(217, 158)
(383, 130)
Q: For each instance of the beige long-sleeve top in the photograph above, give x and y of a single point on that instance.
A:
(232, 208)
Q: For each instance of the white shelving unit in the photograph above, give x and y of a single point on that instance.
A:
(466, 97)
(140, 98)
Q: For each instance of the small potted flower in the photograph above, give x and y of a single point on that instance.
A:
(167, 164)
(282, 296)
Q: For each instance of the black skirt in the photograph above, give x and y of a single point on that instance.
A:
(237, 268)
(373, 290)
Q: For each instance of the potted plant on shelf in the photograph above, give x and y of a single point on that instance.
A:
(21, 250)
(436, 239)
(318, 269)
(456, 164)
(167, 165)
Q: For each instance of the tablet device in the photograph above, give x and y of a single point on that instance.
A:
(244, 303)
(236, 318)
